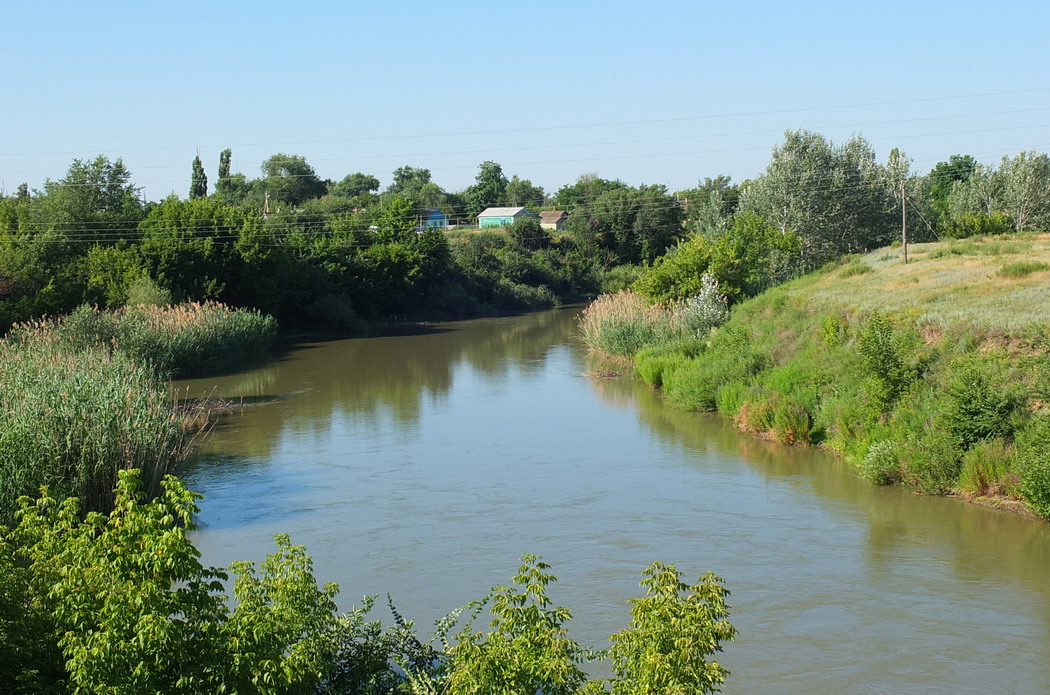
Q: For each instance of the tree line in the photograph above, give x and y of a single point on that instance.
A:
(340, 253)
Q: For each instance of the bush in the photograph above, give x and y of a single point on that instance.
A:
(792, 423)
(932, 463)
(975, 224)
(1033, 463)
(133, 610)
(882, 465)
(978, 401)
(708, 309)
(652, 363)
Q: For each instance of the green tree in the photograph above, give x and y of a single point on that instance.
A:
(489, 189)
(289, 178)
(673, 630)
(833, 197)
(1026, 190)
(521, 192)
(415, 185)
(199, 180)
(945, 175)
(353, 185)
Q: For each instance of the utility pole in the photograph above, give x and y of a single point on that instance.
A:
(904, 219)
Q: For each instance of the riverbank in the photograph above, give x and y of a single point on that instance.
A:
(933, 374)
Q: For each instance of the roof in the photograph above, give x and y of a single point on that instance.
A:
(501, 212)
(553, 215)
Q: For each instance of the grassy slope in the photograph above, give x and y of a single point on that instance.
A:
(947, 283)
(946, 392)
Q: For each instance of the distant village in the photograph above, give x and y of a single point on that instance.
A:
(553, 220)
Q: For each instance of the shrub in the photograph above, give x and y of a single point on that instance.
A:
(884, 359)
(932, 463)
(978, 401)
(1022, 268)
(708, 309)
(882, 465)
(792, 423)
(134, 611)
(144, 291)
(673, 630)
(729, 398)
(652, 363)
(855, 267)
(975, 224)
(1033, 463)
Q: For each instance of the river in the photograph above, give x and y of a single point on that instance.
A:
(425, 463)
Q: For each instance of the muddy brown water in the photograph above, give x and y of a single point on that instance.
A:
(424, 464)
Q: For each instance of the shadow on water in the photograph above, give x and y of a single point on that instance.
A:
(381, 377)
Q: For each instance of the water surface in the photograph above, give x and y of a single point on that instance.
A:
(425, 464)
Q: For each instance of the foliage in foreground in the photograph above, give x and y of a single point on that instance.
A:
(121, 604)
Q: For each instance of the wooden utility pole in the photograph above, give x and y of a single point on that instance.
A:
(904, 219)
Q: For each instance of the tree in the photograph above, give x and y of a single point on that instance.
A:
(353, 185)
(415, 185)
(585, 191)
(527, 233)
(945, 175)
(489, 189)
(289, 178)
(224, 169)
(833, 197)
(521, 192)
(633, 224)
(199, 180)
(1026, 190)
(710, 206)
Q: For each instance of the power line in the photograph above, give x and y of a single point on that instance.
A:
(744, 114)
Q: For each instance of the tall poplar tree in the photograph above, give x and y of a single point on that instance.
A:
(199, 180)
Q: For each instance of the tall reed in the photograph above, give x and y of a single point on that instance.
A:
(73, 418)
(188, 339)
(623, 323)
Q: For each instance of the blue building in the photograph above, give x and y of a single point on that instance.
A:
(432, 219)
(501, 217)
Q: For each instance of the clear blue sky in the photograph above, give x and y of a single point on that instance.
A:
(661, 92)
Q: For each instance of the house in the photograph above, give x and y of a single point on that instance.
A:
(554, 219)
(501, 217)
(431, 218)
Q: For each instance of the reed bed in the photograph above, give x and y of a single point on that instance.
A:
(74, 418)
(623, 323)
(190, 339)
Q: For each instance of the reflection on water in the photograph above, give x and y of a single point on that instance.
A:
(425, 464)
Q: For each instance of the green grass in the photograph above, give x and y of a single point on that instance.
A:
(1022, 268)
